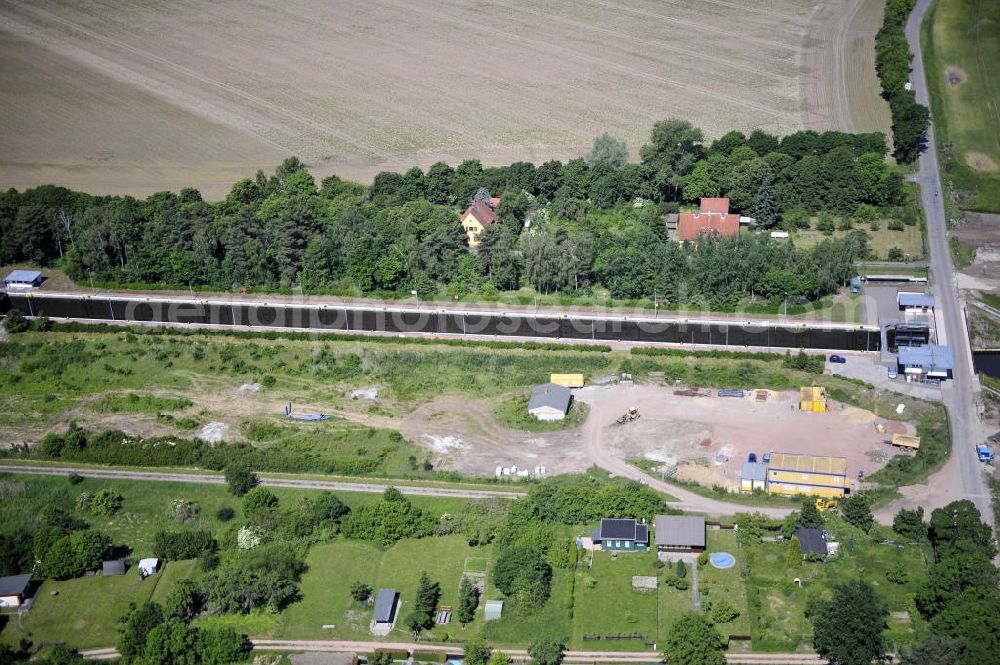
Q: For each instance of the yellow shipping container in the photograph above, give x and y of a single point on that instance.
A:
(567, 380)
(812, 398)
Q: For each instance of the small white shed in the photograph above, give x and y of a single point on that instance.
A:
(148, 566)
(493, 611)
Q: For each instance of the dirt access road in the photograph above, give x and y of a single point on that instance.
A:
(267, 481)
(333, 646)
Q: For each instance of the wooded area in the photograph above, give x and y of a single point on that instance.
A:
(892, 62)
(595, 222)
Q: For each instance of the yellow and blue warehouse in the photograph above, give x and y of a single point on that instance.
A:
(792, 475)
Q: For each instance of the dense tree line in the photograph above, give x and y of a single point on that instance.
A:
(892, 62)
(961, 597)
(152, 636)
(562, 227)
(388, 520)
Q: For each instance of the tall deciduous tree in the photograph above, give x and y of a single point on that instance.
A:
(608, 151)
(959, 525)
(810, 518)
(546, 652)
(674, 147)
(477, 652)
(933, 649)
(468, 601)
(857, 510)
(910, 523)
(848, 629)
(139, 623)
(693, 640)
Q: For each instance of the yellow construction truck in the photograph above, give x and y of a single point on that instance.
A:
(906, 441)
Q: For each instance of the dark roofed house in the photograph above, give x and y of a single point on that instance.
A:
(549, 401)
(385, 606)
(931, 361)
(114, 568)
(680, 533)
(14, 589)
(811, 540)
(624, 535)
(23, 279)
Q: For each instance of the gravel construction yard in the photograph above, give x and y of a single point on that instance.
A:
(692, 431)
(140, 96)
(688, 432)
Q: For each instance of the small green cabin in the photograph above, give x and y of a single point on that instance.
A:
(621, 535)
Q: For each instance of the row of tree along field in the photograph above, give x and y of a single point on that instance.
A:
(595, 222)
(892, 63)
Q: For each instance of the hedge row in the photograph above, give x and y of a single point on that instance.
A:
(736, 355)
(115, 448)
(74, 327)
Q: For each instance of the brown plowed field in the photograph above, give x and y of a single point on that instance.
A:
(840, 89)
(137, 96)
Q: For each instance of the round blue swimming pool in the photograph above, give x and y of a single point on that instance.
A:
(722, 560)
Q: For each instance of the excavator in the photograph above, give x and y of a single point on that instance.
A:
(633, 414)
(823, 505)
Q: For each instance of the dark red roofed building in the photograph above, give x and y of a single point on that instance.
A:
(714, 217)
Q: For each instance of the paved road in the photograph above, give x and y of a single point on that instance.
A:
(521, 655)
(961, 394)
(217, 479)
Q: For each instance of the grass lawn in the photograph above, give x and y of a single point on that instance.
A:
(777, 604)
(909, 240)
(961, 254)
(517, 629)
(86, 611)
(606, 603)
(715, 585)
(513, 413)
(882, 270)
(333, 567)
(961, 46)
